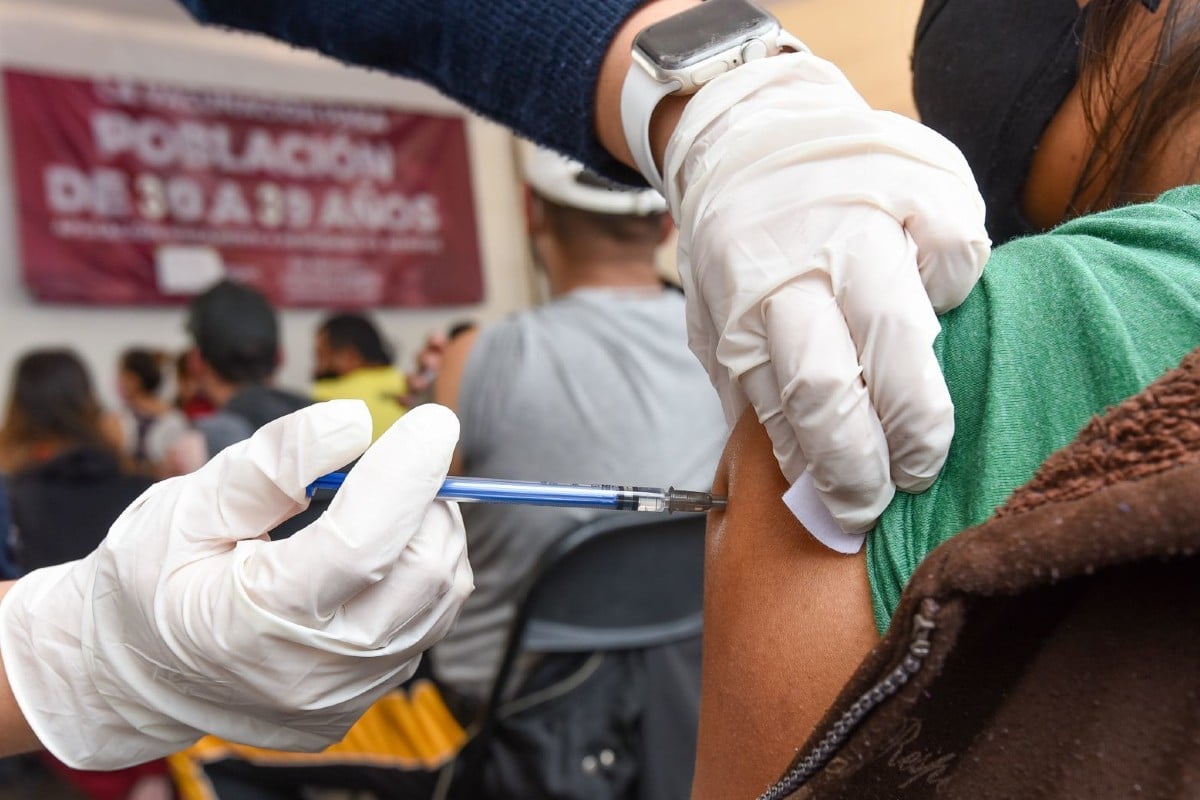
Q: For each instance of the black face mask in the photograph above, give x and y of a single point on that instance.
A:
(989, 75)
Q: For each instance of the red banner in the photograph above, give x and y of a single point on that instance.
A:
(137, 194)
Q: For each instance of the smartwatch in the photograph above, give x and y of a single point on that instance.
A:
(682, 53)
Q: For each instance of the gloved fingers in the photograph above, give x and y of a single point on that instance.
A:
(367, 646)
(825, 401)
(733, 397)
(371, 522)
(893, 328)
(412, 607)
(252, 486)
(952, 242)
(945, 217)
(762, 382)
(702, 340)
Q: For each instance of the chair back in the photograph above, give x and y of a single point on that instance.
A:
(619, 582)
(616, 584)
(624, 581)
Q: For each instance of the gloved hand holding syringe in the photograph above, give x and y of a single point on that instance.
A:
(571, 495)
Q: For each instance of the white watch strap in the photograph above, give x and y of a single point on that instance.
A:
(642, 92)
(640, 95)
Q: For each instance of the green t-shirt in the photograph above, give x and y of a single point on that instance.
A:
(1061, 326)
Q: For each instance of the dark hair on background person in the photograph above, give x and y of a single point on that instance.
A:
(236, 331)
(357, 332)
(51, 404)
(146, 366)
(460, 327)
(1131, 106)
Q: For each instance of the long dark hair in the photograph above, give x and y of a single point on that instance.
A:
(1130, 118)
(51, 403)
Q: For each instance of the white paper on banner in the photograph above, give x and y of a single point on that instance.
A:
(187, 270)
(803, 501)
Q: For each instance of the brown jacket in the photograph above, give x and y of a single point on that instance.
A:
(1052, 652)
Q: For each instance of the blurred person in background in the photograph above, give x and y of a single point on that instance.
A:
(354, 363)
(189, 397)
(234, 357)
(151, 425)
(235, 335)
(595, 386)
(61, 454)
(429, 362)
(68, 482)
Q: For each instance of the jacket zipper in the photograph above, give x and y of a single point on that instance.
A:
(819, 756)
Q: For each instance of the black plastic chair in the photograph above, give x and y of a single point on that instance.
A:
(621, 582)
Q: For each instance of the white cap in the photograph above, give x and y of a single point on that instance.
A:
(569, 183)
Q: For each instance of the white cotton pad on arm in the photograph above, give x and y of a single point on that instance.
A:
(803, 501)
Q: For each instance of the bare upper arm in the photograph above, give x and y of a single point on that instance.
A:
(786, 622)
(448, 384)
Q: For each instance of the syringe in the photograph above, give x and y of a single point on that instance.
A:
(570, 495)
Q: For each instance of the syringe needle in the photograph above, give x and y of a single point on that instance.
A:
(682, 500)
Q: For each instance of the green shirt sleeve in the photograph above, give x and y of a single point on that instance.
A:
(1061, 326)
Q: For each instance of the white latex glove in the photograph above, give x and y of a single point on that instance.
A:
(187, 620)
(817, 237)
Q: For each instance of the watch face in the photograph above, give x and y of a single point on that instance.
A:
(699, 33)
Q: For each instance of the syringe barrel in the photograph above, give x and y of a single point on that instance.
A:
(487, 490)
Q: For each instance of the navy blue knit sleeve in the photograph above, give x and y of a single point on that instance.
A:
(529, 64)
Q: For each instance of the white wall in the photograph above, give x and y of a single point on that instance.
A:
(153, 40)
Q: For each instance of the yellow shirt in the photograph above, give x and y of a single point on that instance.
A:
(379, 387)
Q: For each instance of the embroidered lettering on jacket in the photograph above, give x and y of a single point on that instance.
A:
(915, 764)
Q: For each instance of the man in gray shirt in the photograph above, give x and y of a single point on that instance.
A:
(595, 386)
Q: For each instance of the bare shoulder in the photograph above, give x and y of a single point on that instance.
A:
(786, 623)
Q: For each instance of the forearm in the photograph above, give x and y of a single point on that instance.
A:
(15, 733)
